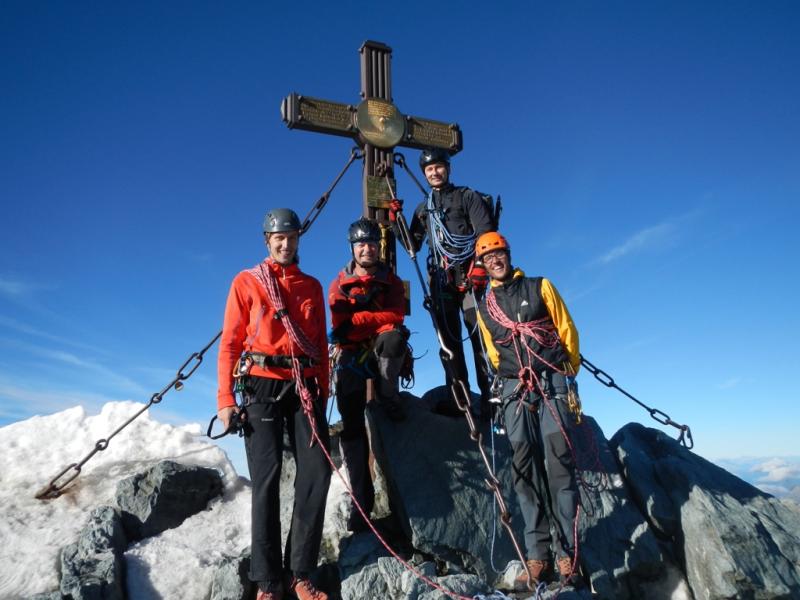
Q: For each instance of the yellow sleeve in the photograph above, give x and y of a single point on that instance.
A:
(491, 352)
(563, 322)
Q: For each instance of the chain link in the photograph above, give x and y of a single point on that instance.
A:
(685, 437)
(55, 488)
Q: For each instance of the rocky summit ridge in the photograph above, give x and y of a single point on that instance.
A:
(657, 521)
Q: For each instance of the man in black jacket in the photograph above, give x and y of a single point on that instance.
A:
(451, 218)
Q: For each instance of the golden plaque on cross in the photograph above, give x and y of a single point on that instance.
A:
(380, 123)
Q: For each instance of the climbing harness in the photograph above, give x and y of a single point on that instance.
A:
(685, 436)
(240, 371)
(55, 488)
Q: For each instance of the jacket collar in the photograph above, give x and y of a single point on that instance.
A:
(446, 188)
(518, 274)
(280, 270)
(347, 276)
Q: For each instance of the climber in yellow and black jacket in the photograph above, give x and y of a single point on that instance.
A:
(532, 344)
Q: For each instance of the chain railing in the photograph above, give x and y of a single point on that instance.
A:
(685, 436)
(56, 486)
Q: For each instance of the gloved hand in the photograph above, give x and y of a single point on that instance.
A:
(395, 206)
(478, 277)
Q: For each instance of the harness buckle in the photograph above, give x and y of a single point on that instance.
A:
(243, 366)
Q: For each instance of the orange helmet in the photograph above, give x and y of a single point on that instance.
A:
(490, 241)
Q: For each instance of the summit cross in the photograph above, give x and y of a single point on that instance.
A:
(377, 126)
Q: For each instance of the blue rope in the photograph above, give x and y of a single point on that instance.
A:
(540, 590)
(452, 246)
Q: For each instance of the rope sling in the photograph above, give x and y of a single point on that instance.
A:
(448, 248)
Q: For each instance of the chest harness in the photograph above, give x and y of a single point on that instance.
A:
(544, 333)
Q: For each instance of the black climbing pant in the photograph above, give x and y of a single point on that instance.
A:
(264, 443)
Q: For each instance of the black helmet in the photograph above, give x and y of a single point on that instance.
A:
(430, 156)
(281, 219)
(364, 230)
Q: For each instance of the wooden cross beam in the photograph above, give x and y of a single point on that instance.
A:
(377, 126)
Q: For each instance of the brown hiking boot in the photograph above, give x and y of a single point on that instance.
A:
(276, 595)
(570, 575)
(305, 590)
(539, 570)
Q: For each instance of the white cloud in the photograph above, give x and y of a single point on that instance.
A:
(109, 375)
(9, 287)
(644, 238)
(775, 490)
(777, 470)
(19, 402)
(731, 383)
(33, 331)
(662, 234)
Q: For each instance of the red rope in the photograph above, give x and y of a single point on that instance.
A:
(544, 333)
(296, 336)
(541, 330)
(372, 527)
(299, 339)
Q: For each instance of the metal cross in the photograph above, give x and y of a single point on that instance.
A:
(377, 126)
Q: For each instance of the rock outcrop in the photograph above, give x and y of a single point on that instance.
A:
(93, 567)
(656, 521)
(437, 490)
(732, 540)
(231, 581)
(619, 550)
(164, 496)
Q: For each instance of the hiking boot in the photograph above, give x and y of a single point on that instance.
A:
(303, 589)
(274, 595)
(539, 570)
(570, 575)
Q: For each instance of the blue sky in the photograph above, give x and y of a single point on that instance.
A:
(647, 155)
